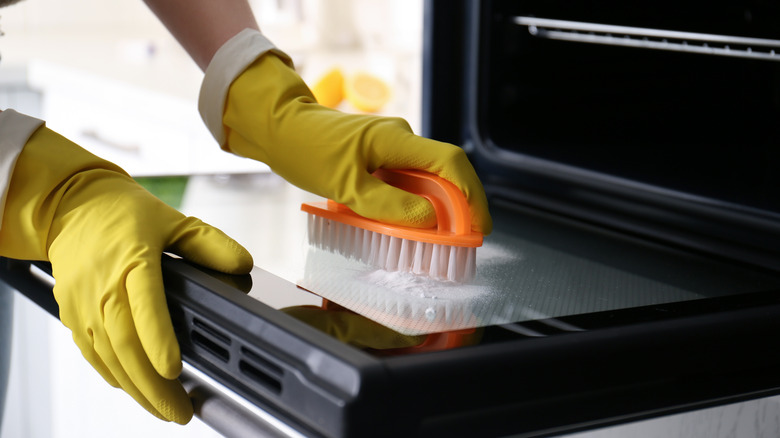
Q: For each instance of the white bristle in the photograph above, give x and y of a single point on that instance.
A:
(373, 257)
(435, 270)
(333, 232)
(356, 241)
(310, 221)
(376, 249)
(342, 238)
(344, 231)
(417, 257)
(470, 270)
(328, 227)
(405, 255)
(393, 254)
(351, 244)
(365, 244)
(443, 262)
(335, 244)
(452, 262)
(319, 232)
(323, 232)
(384, 244)
(428, 259)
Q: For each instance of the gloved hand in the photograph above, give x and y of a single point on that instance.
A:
(271, 116)
(104, 236)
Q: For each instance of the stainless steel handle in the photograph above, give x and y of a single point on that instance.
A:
(227, 413)
(647, 38)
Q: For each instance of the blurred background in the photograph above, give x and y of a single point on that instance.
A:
(107, 75)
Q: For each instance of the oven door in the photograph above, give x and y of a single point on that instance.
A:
(568, 326)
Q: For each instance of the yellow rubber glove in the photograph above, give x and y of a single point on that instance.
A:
(271, 116)
(104, 236)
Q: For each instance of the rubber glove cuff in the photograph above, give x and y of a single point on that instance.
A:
(235, 56)
(17, 129)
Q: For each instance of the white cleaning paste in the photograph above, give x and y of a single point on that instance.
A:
(406, 302)
(425, 287)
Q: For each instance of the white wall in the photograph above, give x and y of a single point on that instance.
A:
(94, 17)
(113, 38)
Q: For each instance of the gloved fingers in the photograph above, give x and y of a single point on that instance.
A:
(108, 358)
(124, 355)
(149, 317)
(383, 202)
(466, 179)
(86, 343)
(84, 337)
(197, 242)
(208, 246)
(449, 162)
(97, 349)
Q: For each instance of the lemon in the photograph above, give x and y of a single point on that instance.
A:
(366, 92)
(329, 90)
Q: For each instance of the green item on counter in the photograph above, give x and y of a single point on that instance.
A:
(170, 189)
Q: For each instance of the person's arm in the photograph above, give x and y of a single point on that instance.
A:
(203, 26)
(256, 106)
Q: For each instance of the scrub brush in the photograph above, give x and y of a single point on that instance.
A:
(447, 251)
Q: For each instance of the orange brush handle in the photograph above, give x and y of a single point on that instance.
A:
(452, 210)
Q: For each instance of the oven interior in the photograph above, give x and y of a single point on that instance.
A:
(680, 95)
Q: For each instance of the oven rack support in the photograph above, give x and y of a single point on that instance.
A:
(657, 39)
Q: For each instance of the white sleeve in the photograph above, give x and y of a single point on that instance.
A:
(15, 130)
(235, 56)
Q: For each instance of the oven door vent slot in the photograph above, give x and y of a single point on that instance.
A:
(657, 39)
(210, 339)
(207, 344)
